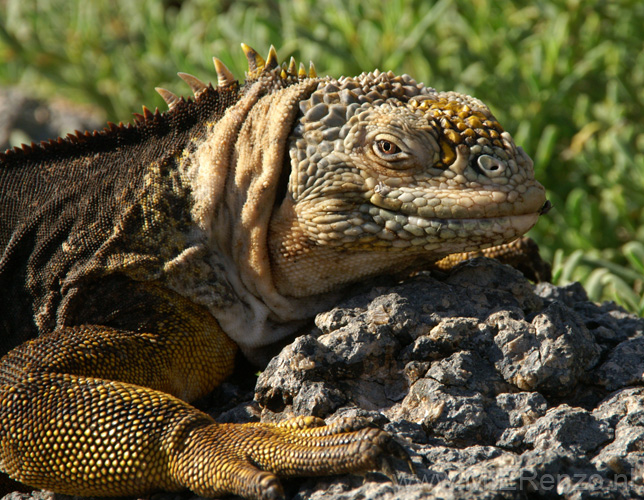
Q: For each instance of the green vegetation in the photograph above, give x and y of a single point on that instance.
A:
(565, 77)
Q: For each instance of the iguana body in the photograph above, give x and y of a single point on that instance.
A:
(137, 259)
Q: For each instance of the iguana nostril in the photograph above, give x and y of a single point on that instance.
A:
(490, 165)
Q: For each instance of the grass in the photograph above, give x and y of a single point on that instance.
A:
(566, 77)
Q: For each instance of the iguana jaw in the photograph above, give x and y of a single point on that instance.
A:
(303, 267)
(316, 247)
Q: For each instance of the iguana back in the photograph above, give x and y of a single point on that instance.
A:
(72, 208)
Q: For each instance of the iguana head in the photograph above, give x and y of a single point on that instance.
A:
(332, 180)
(386, 173)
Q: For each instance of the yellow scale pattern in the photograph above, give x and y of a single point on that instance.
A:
(459, 124)
(114, 439)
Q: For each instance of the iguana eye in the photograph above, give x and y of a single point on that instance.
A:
(387, 148)
(390, 149)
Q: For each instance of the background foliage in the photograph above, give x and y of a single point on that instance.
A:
(566, 77)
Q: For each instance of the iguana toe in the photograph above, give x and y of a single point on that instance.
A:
(247, 459)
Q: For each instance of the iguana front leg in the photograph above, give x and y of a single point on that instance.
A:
(522, 254)
(88, 410)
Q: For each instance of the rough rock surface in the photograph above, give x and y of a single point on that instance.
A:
(496, 388)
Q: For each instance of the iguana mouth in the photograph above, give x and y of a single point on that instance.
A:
(445, 204)
(547, 206)
(456, 234)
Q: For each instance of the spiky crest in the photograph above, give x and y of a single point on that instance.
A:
(196, 85)
(292, 67)
(170, 99)
(271, 59)
(301, 73)
(224, 76)
(255, 62)
(257, 66)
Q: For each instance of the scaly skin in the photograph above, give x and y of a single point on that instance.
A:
(93, 411)
(392, 181)
(137, 260)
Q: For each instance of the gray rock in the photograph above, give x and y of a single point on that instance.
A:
(36, 495)
(568, 427)
(550, 353)
(624, 366)
(624, 412)
(496, 388)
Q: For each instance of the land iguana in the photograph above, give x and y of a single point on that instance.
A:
(136, 260)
